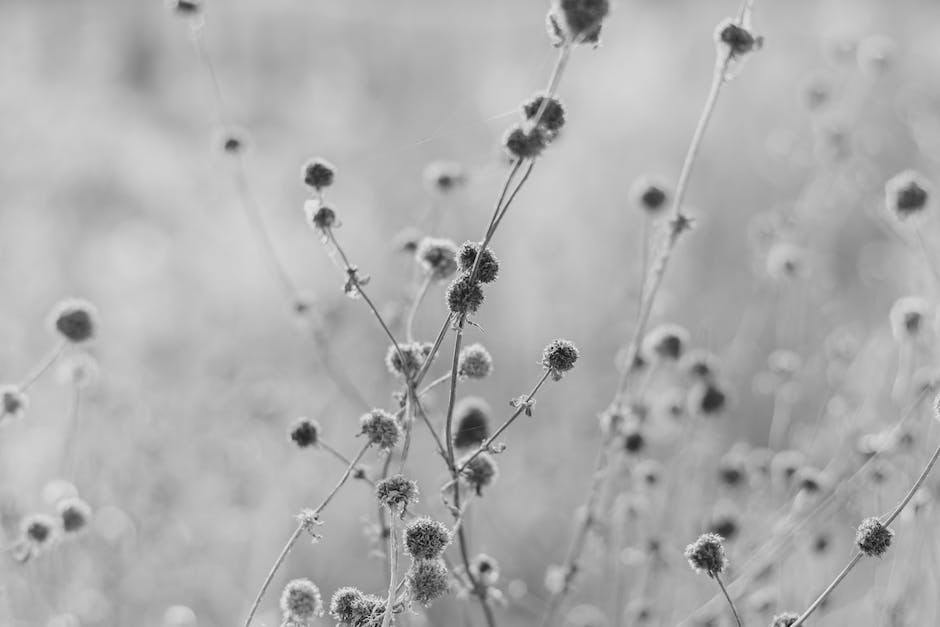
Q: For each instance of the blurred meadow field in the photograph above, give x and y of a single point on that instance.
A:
(117, 188)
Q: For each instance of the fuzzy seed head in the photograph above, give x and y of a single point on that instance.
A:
(650, 194)
(381, 428)
(444, 176)
(346, 604)
(464, 296)
(559, 357)
(438, 256)
(485, 569)
(480, 472)
(473, 422)
(784, 620)
(13, 402)
(427, 580)
(699, 364)
(75, 319)
(707, 398)
(707, 555)
(633, 440)
(474, 362)
(735, 40)
(39, 531)
(414, 355)
(305, 432)
(873, 538)
(578, 21)
(908, 316)
(301, 600)
(487, 272)
(319, 173)
(185, 7)
(553, 117)
(907, 194)
(666, 342)
(396, 493)
(321, 217)
(74, 514)
(522, 143)
(426, 539)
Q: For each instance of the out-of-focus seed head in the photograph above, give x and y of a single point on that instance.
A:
(319, 173)
(699, 364)
(426, 539)
(873, 538)
(816, 91)
(79, 369)
(185, 7)
(908, 318)
(13, 402)
(707, 555)
(75, 319)
(305, 432)
(74, 514)
(487, 272)
(427, 580)
(666, 342)
(480, 472)
(786, 261)
(485, 569)
(381, 428)
(784, 620)
(784, 364)
(907, 193)
(464, 296)
(639, 612)
(396, 493)
(650, 193)
(784, 466)
(732, 470)
(474, 362)
(406, 240)
(735, 40)
(233, 141)
(414, 355)
(346, 605)
(438, 256)
(876, 54)
(648, 473)
(821, 543)
(301, 600)
(553, 115)
(473, 422)
(576, 21)
(725, 525)
(320, 217)
(39, 532)
(633, 439)
(559, 357)
(525, 143)
(810, 480)
(707, 398)
(444, 176)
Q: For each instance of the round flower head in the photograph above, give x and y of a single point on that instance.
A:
(724, 525)
(521, 143)
(873, 538)
(707, 398)
(488, 270)
(786, 261)
(908, 316)
(784, 620)
(438, 256)
(732, 470)
(39, 531)
(427, 580)
(381, 428)
(699, 364)
(79, 369)
(633, 440)
(480, 472)
(426, 539)
(301, 600)
(444, 176)
(473, 422)
(553, 117)
(464, 296)
(666, 342)
(346, 604)
(485, 569)
(650, 194)
(474, 362)
(13, 402)
(74, 514)
(707, 555)
(75, 319)
(578, 21)
(185, 7)
(305, 432)
(396, 492)
(320, 217)
(907, 193)
(414, 355)
(734, 40)
(319, 173)
(559, 357)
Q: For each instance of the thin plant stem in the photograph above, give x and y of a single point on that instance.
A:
(452, 397)
(70, 452)
(734, 610)
(444, 378)
(393, 569)
(437, 345)
(413, 311)
(43, 366)
(299, 530)
(512, 196)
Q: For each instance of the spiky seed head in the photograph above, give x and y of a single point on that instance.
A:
(464, 296)
(426, 539)
(525, 143)
(13, 402)
(346, 604)
(75, 319)
(444, 176)
(784, 620)
(666, 342)
(649, 193)
(473, 422)
(480, 472)
(707, 398)
(396, 493)
(707, 554)
(577, 21)
(474, 362)
(74, 514)
(735, 40)
(427, 580)
(485, 569)
(908, 317)
(559, 357)
(907, 193)
(438, 256)
(305, 432)
(414, 355)
(318, 173)
(320, 216)
(381, 428)
(553, 117)
(488, 271)
(301, 600)
(873, 538)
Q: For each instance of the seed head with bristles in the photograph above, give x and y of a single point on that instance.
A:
(318, 173)
(650, 194)
(301, 600)
(396, 493)
(13, 402)
(427, 580)
(559, 357)
(907, 193)
(381, 428)
(873, 538)
(487, 271)
(305, 432)
(480, 472)
(474, 362)
(346, 604)
(666, 342)
(438, 256)
(707, 555)
(426, 539)
(74, 514)
(464, 296)
(522, 143)
(784, 620)
(553, 115)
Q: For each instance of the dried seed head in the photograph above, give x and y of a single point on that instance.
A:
(553, 116)
(426, 539)
(444, 176)
(474, 362)
(487, 272)
(559, 357)
(907, 193)
(185, 7)
(650, 194)
(784, 620)
(381, 428)
(707, 398)
(908, 317)
(633, 439)
(13, 402)
(75, 319)
(414, 355)
(39, 532)
(522, 143)
(427, 580)
(438, 256)
(873, 538)
(480, 472)
(396, 493)
(464, 296)
(577, 21)
(725, 525)
(318, 173)
(666, 342)
(320, 217)
(734, 40)
(74, 514)
(473, 422)
(707, 555)
(301, 600)
(485, 569)
(732, 469)
(305, 432)
(346, 605)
